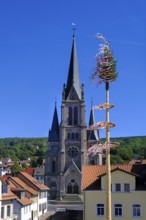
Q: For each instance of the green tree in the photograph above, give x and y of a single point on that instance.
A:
(15, 169)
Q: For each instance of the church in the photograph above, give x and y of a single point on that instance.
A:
(68, 140)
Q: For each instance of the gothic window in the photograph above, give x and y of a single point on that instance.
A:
(69, 188)
(75, 115)
(73, 136)
(68, 136)
(73, 151)
(76, 188)
(70, 116)
(54, 165)
(53, 184)
(73, 187)
(77, 136)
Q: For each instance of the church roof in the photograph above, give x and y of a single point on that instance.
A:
(73, 74)
(93, 134)
(54, 132)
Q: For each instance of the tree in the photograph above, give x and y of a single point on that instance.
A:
(16, 169)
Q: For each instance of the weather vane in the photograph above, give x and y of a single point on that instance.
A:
(73, 28)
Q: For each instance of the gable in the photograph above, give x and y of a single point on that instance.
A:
(72, 94)
(72, 168)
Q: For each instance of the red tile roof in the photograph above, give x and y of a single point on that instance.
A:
(17, 181)
(25, 201)
(90, 173)
(26, 177)
(29, 171)
(137, 162)
(9, 195)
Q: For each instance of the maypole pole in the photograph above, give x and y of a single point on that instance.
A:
(108, 166)
(105, 72)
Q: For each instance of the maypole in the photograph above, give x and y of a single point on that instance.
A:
(105, 72)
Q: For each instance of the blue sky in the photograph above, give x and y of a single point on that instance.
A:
(35, 47)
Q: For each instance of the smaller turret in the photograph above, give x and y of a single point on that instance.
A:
(54, 132)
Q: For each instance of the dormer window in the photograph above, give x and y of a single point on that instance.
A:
(22, 195)
(4, 188)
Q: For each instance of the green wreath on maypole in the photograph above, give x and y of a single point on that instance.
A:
(105, 69)
(104, 72)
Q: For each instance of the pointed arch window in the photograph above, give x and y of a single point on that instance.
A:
(68, 136)
(70, 116)
(53, 165)
(72, 136)
(75, 115)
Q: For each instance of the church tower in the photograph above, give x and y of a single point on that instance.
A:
(67, 141)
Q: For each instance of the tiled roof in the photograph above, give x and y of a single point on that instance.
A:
(9, 195)
(4, 177)
(29, 171)
(23, 185)
(137, 162)
(25, 201)
(93, 172)
(32, 180)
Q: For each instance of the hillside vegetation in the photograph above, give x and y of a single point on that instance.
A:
(35, 148)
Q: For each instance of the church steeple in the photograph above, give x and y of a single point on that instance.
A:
(54, 132)
(73, 74)
(92, 135)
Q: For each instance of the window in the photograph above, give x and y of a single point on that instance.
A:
(40, 207)
(53, 165)
(118, 209)
(117, 187)
(136, 210)
(22, 195)
(68, 136)
(77, 136)
(2, 212)
(8, 211)
(126, 187)
(53, 184)
(73, 151)
(100, 209)
(75, 115)
(72, 136)
(70, 116)
(4, 188)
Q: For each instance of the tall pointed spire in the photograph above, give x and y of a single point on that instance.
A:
(73, 74)
(54, 132)
(94, 134)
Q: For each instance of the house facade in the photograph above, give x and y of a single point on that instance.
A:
(128, 192)
(32, 196)
(6, 201)
(40, 188)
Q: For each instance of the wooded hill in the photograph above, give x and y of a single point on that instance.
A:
(35, 148)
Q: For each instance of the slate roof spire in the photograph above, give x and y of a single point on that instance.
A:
(73, 73)
(93, 135)
(54, 132)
